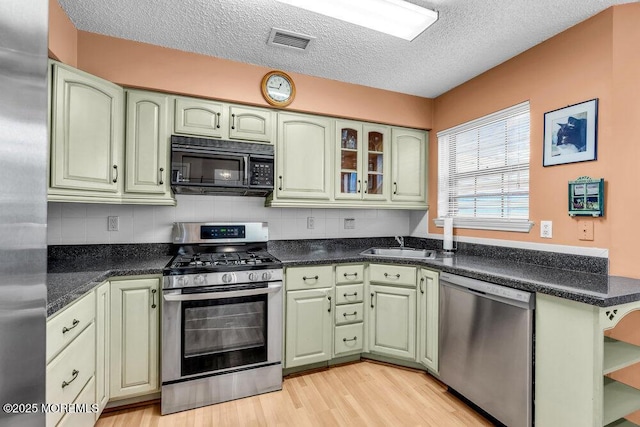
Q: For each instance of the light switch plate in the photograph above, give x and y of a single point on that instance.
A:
(585, 230)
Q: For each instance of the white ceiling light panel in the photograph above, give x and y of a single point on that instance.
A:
(395, 17)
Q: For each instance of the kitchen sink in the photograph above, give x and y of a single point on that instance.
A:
(400, 253)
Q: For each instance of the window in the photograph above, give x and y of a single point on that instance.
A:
(483, 172)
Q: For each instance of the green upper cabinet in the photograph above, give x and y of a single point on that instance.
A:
(147, 143)
(409, 165)
(251, 124)
(303, 157)
(361, 161)
(86, 133)
(199, 117)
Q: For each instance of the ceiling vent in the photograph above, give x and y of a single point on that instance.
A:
(289, 39)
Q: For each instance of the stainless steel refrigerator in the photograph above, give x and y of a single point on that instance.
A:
(23, 209)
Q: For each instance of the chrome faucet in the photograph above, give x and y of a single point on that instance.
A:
(400, 240)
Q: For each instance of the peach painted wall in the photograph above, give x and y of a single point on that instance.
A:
(63, 36)
(142, 65)
(624, 148)
(569, 68)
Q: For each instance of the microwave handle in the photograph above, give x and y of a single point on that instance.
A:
(246, 170)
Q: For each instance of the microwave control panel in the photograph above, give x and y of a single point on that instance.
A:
(261, 174)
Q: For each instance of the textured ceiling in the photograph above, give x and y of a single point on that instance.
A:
(470, 37)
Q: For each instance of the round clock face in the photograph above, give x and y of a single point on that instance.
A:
(278, 89)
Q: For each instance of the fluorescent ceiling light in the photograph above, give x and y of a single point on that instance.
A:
(396, 17)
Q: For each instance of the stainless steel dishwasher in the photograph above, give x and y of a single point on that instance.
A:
(486, 346)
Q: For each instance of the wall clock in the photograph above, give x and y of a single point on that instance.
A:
(278, 88)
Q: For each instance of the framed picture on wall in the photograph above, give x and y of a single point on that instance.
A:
(570, 134)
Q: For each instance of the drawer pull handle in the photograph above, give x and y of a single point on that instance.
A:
(351, 274)
(233, 121)
(75, 323)
(372, 295)
(305, 278)
(355, 313)
(355, 294)
(153, 298)
(397, 276)
(115, 168)
(329, 298)
(74, 373)
(161, 180)
(395, 188)
(421, 284)
(218, 121)
(351, 339)
(280, 186)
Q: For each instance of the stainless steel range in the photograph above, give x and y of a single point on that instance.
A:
(221, 316)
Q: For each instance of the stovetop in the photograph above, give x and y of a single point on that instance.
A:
(206, 262)
(224, 259)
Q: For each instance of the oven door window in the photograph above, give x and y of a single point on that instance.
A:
(223, 333)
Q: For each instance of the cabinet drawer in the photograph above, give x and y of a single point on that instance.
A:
(297, 278)
(348, 339)
(347, 294)
(86, 418)
(349, 274)
(349, 313)
(392, 274)
(68, 324)
(68, 373)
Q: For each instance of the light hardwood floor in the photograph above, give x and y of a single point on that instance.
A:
(359, 394)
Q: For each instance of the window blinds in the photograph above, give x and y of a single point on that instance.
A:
(483, 168)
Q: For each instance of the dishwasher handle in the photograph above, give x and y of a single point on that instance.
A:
(504, 294)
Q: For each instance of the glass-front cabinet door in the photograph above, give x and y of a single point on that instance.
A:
(361, 163)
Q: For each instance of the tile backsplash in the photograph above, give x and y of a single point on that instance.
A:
(80, 223)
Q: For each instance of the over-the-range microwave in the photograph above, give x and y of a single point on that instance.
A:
(214, 166)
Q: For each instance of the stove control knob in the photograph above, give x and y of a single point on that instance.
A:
(266, 276)
(227, 278)
(199, 280)
(182, 281)
(253, 277)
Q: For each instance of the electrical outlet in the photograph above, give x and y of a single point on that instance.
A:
(546, 229)
(113, 223)
(349, 223)
(311, 223)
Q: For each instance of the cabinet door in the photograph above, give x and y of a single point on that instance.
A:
(251, 124)
(348, 161)
(409, 160)
(392, 321)
(86, 132)
(428, 297)
(134, 337)
(147, 143)
(199, 117)
(375, 163)
(308, 326)
(303, 153)
(102, 346)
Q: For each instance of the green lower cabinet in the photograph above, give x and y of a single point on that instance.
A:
(428, 300)
(309, 325)
(392, 321)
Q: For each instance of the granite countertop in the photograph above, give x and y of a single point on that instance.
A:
(596, 289)
(69, 279)
(74, 271)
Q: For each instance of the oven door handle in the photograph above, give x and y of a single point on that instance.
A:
(273, 287)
